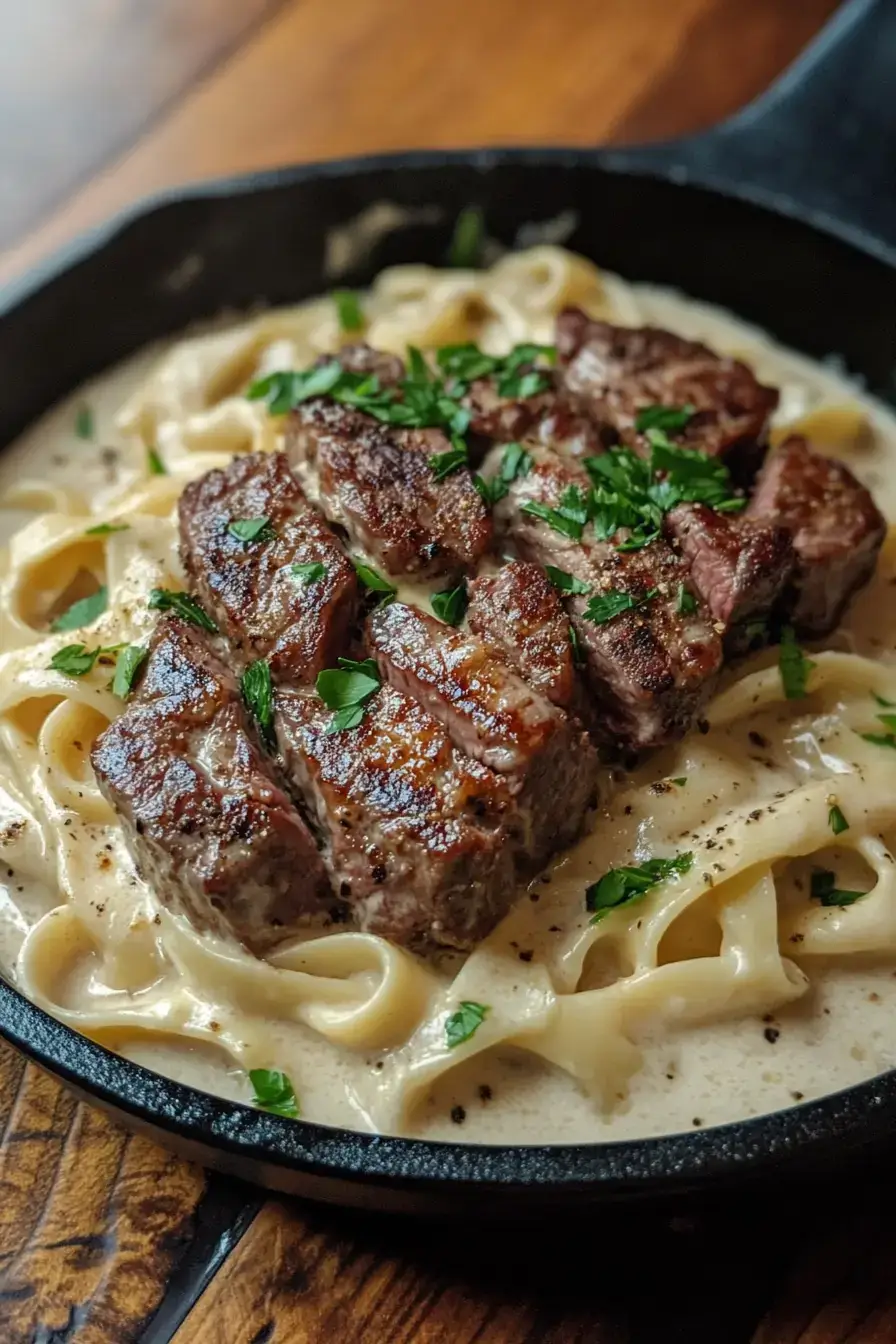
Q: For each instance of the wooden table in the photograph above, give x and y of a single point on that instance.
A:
(107, 1239)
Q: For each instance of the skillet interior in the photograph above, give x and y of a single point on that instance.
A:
(263, 240)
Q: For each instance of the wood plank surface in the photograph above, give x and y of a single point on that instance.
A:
(105, 1238)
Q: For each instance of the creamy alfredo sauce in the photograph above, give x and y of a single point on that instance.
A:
(841, 1031)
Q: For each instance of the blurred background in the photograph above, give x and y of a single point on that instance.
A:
(103, 101)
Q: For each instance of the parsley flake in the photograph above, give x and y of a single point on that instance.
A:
(685, 602)
(491, 490)
(625, 886)
(106, 529)
(451, 604)
(793, 665)
(154, 464)
(374, 582)
(183, 605)
(565, 583)
(309, 573)
(258, 694)
(568, 518)
(83, 612)
(251, 529)
(445, 464)
(837, 821)
(347, 690)
(74, 660)
(578, 653)
(680, 780)
(84, 426)
(465, 249)
(822, 888)
(670, 419)
(463, 1024)
(127, 665)
(348, 310)
(274, 1093)
(605, 606)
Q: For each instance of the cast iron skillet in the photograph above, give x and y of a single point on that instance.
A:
(786, 214)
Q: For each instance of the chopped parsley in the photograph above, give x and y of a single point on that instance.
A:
(515, 373)
(445, 464)
(837, 821)
(84, 426)
(274, 1092)
(309, 573)
(127, 665)
(490, 491)
(83, 612)
(565, 583)
(883, 739)
(348, 310)
(451, 604)
(347, 690)
(685, 602)
(465, 1022)
(680, 780)
(578, 653)
(605, 606)
(885, 704)
(465, 249)
(106, 529)
(568, 518)
(822, 889)
(251, 529)
(793, 665)
(670, 419)
(183, 605)
(374, 582)
(515, 462)
(624, 886)
(76, 660)
(258, 694)
(154, 464)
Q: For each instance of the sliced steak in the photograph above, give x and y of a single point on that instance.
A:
(299, 624)
(619, 371)
(376, 481)
(836, 527)
(518, 613)
(650, 667)
(410, 827)
(552, 417)
(493, 716)
(738, 567)
(362, 358)
(207, 826)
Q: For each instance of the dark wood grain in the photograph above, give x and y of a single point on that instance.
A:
(105, 1238)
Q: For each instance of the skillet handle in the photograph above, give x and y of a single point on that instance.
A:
(820, 144)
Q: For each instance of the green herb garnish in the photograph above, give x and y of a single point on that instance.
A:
(127, 665)
(106, 529)
(374, 582)
(578, 653)
(309, 573)
(513, 373)
(451, 604)
(445, 464)
(258, 693)
(75, 660)
(465, 1022)
(822, 889)
(793, 665)
(670, 419)
(465, 249)
(154, 464)
(83, 612)
(685, 602)
(565, 583)
(624, 886)
(605, 606)
(348, 310)
(885, 704)
(347, 690)
(251, 529)
(183, 605)
(274, 1092)
(680, 780)
(568, 518)
(84, 427)
(490, 491)
(837, 821)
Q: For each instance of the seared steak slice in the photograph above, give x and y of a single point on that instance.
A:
(408, 824)
(207, 826)
(298, 623)
(836, 527)
(650, 667)
(551, 417)
(362, 358)
(376, 481)
(546, 760)
(518, 613)
(738, 566)
(619, 371)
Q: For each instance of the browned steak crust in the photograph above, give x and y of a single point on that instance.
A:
(269, 611)
(410, 827)
(518, 612)
(206, 823)
(619, 371)
(837, 531)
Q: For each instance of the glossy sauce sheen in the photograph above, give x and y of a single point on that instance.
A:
(843, 1031)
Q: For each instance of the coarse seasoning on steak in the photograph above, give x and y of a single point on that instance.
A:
(552, 418)
(737, 566)
(649, 667)
(491, 714)
(379, 483)
(618, 371)
(288, 593)
(836, 528)
(410, 827)
(206, 823)
(518, 613)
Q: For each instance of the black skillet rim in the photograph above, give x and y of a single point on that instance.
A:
(830, 1127)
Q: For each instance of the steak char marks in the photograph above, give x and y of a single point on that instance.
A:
(299, 624)
(411, 828)
(837, 531)
(650, 667)
(618, 371)
(206, 823)
(376, 481)
(545, 760)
